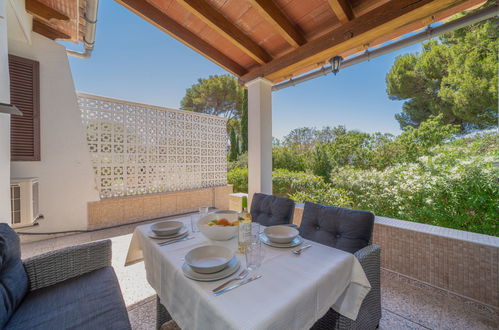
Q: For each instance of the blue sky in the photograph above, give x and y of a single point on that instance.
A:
(135, 61)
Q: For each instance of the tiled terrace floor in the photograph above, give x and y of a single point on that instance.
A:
(407, 304)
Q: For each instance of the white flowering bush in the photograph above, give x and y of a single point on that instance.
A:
(455, 186)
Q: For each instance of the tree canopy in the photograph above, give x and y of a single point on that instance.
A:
(454, 75)
(217, 95)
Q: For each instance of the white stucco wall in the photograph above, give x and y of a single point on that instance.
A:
(4, 119)
(66, 180)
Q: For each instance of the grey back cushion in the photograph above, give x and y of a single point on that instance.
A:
(13, 277)
(345, 229)
(269, 210)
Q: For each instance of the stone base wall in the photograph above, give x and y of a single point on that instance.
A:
(122, 210)
(460, 262)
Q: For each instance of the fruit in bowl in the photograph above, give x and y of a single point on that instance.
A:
(218, 226)
(223, 222)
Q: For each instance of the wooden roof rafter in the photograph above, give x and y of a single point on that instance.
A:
(44, 12)
(46, 30)
(218, 22)
(342, 10)
(275, 16)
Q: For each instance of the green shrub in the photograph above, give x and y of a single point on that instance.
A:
(286, 182)
(325, 196)
(241, 162)
(288, 158)
(238, 177)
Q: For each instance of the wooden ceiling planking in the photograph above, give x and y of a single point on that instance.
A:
(352, 35)
(313, 17)
(361, 7)
(252, 23)
(262, 31)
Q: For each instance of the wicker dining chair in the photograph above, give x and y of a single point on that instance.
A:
(351, 231)
(269, 210)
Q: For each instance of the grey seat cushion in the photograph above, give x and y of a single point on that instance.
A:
(90, 301)
(13, 277)
(345, 229)
(270, 210)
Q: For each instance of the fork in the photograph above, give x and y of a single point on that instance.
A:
(298, 252)
(241, 276)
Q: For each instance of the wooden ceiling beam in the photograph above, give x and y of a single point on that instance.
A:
(342, 10)
(275, 16)
(44, 12)
(182, 34)
(218, 22)
(42, 28)
(352, 35)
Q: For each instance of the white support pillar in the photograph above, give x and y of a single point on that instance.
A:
(259, 137)
(4, 118)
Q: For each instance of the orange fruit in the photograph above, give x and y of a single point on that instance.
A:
(223, 222)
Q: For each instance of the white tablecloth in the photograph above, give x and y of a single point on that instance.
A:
(293, 293)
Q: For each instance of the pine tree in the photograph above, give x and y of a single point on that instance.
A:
(233, 145)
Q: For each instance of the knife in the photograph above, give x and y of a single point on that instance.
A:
(175, 241)
(246, 281)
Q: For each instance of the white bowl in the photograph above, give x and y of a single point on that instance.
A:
(218, 233)
(281, 234)
(166, 228)
(208, 259)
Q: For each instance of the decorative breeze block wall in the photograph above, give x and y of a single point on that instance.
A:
(140, 149)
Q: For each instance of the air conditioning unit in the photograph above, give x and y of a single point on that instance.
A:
(24, 201)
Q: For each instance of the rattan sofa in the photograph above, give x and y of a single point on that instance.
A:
(70, 288)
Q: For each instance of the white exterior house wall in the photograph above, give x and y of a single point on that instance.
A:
(66, 181)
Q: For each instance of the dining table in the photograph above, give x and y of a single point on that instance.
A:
(294, 291)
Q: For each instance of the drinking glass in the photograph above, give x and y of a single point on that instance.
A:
(203, 210)
(254, 234)
(254, 255)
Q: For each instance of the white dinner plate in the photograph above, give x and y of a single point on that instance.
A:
(231, 268)
(295, 242)
(181, 233)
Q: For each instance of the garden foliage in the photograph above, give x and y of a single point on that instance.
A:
(426, 174)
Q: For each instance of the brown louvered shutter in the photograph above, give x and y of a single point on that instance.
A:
(25, 94)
